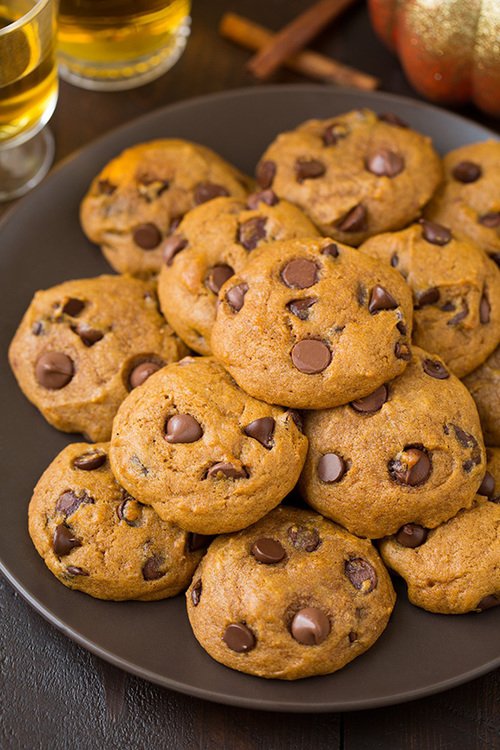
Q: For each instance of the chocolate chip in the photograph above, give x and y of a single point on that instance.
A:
(484, 309)
(90, 461)
(394, 260)
(299, 273)
(361, 574)
(391, 119)
(401, 328)
(37, 328)
(54, 370)
(226, 470)
(490, 220)
(411, 467)
(354, 220)
(73, 570)
(330, 250)
(195, 542)
(402, 351)
(435, 369)
(64, 540)
(381, 299)
(142, 372)
(147, 236)
(310, 626)
(69, 502)
(265, 173)
(130, 510)
(88, 335)
(353, 636)
(268, 551)
(73, 307)
(172, 246)
(385, 163)
(308, 169)
(488, 602)
(460, 315)
(105, 187)
(261, 430)
(411, 535)
(331, 468)
(372, 403)
(427, 297)
(250, 232)
(217, 276)
(263, 196)
(152, 568)
(467, 171)
(196, 592)
(333, 133)
(303, 538)
(300, 307)
(435, 233)
(466, 440)
(182, 428)
(447, 307)
(236, 296)
(206, 191)
(311, 356)
(239, 638)
(487, 486)
(150, 188)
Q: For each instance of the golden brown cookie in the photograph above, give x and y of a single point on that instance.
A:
(138, 199)
(411, 452)
(84, 344)
(216, 240)
(354, 175)
(456, 292)
(484, 386)
(292, 596)
(94, 537)
(201, 451)
(310, 324)
(469, 199)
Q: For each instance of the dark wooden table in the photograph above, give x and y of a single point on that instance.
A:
(56, 696)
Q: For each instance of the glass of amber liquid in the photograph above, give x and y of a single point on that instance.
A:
(28, 93)
(108, 45)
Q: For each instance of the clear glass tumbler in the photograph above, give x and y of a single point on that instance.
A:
(28, 93)
(109, 45)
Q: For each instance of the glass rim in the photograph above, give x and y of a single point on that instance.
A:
(32, 13)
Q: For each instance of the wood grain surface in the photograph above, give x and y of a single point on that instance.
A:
(56, 696)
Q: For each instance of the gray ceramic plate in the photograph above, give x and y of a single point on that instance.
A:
(40, 245)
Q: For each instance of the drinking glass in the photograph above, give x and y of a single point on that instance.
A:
(28, 93)
(107, 45)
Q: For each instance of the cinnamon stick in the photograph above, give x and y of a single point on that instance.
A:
(294, 36)
(252, 36)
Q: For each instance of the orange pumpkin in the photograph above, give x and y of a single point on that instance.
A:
(449, 49)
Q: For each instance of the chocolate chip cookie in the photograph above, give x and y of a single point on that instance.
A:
(456, 292)
(95, 537)
(410, 452)
(484, 386)
(469, 199)
(136, 202)
(354, 175)
(292, 596)
(216, 240)
(310, 323)
(201, 451)
(83, 345)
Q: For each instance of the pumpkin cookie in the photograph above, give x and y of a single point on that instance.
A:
(410, 452)
(454, 569)
(310, 324)
(292, 596)
(216, 240)
(484, 386)
(94, 537)
(456, 292)
(138, 199)
(469, 199)
(83, 345)
(201, 451)
(354, 175)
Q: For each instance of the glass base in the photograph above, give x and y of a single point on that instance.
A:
(25, 165)
(126, 75)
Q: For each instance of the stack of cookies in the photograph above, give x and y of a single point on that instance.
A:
(272, 387)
